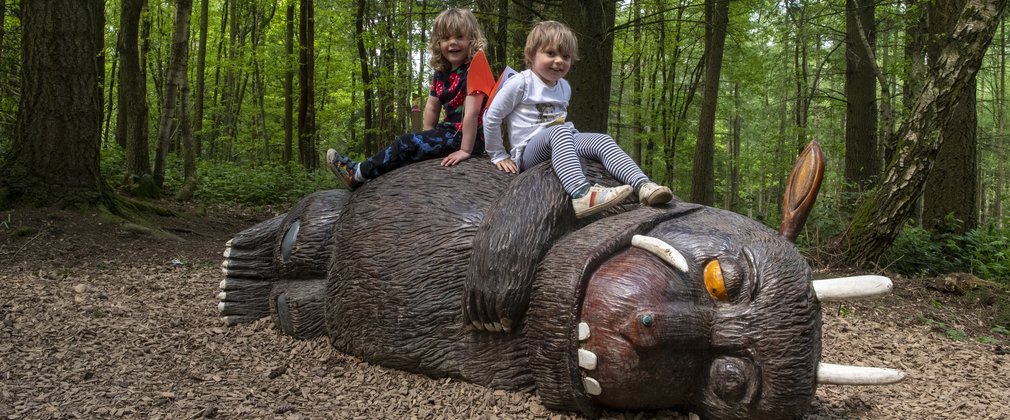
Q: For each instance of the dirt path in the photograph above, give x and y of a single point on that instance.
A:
(100, 320)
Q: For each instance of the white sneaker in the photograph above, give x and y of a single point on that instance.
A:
(651, 194)
(600, 198)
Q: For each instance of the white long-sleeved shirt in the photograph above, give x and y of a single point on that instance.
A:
(527, 105)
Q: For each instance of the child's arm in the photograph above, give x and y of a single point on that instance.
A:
(432, 109)
(505, 101)
(471, 112)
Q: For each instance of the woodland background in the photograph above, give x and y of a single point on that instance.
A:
(110, 103)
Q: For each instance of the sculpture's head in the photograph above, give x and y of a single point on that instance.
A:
(712, 312)
(706, 310)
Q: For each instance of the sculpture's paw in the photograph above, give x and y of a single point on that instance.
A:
(494, 311)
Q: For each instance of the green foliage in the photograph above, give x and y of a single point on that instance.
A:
(952, 333)
(229, 183)
(984, 252)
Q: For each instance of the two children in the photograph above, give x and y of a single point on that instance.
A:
(455, 38)
(534, 106)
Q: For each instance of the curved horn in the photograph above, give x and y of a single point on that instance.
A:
(661, 249)
(851, 288)
(801, 191)
(856, 375)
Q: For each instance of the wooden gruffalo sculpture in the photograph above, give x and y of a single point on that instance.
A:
(470, 273)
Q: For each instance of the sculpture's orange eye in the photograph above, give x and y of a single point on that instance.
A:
(715, 284)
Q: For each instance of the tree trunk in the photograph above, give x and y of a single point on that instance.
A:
(111, 98)
(176, 73)
(201, 84)
(3, 14)
(638, 106)
(54, 156)
(289, 84)
(189, 142)
(307, 155)
(861, 164)
(1001, 133)
(703, 178)
(132, 130)
(592, 21)
(881, 215)
(366, 78)
(951, 186)
(733, 203)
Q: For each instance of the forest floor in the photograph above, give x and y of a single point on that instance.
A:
(101, 319)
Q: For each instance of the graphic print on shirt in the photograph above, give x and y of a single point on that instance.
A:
(549, 113)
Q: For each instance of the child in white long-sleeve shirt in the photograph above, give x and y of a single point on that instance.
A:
(534, 104)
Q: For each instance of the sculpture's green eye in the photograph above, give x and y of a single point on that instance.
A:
(715, 283)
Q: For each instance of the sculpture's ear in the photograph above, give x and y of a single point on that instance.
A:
(801, 191)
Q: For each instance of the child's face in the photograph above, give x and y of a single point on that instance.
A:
(551, 65)
(455, 49)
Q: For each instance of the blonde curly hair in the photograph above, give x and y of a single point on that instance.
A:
(452, 22)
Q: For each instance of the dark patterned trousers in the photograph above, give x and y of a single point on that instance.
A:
(415, 147)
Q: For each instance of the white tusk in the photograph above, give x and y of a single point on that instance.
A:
(850, 288)
(856, 375)
(222, 296)
(587, 359)
(662, 250)
(592, 386)
(583, 331)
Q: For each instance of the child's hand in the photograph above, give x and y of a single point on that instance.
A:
(507, 166)
(454, 158)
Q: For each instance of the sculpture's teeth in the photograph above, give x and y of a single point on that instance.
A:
(592, 386)
(224, 283)
(224, 264)
(220, 307)
(583, 331)
(587, 359)
(224, 271)
(850, 288)
(221, 296)
(231, 320)
(227, 252)
(661, 249)
(488, 326)
(856, 375)
(477, 324)
(228, 244)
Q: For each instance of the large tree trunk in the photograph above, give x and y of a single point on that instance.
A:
(881, 215)
(176, 74)
(201, 85)
(861, 162)
(366, 78)
(592, 21)
(703, 180)
(307, 155)
(132, 129)
(54, 156)
(952, 185)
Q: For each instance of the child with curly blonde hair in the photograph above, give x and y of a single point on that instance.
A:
(455, 38)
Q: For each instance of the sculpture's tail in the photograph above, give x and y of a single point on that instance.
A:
(249, 273)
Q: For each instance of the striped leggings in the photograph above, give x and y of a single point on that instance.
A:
(564, 145)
